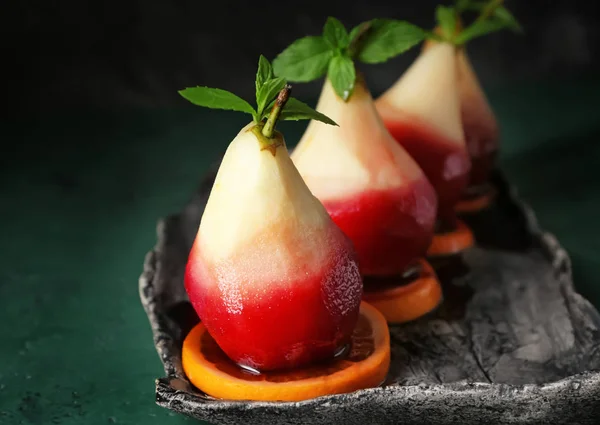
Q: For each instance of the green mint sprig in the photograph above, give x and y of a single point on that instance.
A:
(336, 50)
(268, 87)
(493, 16)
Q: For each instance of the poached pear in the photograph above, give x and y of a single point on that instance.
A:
(422, 112)
(479, 123)
(273, 279)
(374, 191)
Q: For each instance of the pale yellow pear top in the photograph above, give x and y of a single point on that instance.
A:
(359, 154)
(428, 90)
(260, 211)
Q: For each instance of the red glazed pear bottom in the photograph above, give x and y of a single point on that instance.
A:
(405, 298)
(453, 241)
(389, 228)
(364, 364)
(272, 324)
(476, 199)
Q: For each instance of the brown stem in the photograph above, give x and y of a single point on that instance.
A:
(354, 46)
(280, 102)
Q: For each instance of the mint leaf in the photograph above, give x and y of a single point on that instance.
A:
(388, 38)
(505, 16)
(304, 60)
(473, 6)
(493, 17)
(462, 5)
(476, 6)
(342, 75)
(357, 38)
(446, 20)
(479, 28)
(267, 93)
(294, 110)
(264, 73)
(335, 33)
(430, 35)
(359, 29)
(216, 99)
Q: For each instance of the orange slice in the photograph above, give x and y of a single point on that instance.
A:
(365, 365)
(475, 204)
(404, 303)
(453, 242)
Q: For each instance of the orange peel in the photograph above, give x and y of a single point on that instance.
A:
(475, 204)
(405, 303)
(453, 242)
(365, 365)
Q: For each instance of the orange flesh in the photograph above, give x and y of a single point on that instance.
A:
(400, 304)
(453, 242)
(365, 365)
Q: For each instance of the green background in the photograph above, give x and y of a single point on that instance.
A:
(80, 196)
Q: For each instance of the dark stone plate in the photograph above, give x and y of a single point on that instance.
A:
(512, 343)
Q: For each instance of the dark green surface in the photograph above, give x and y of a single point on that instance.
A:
(81, 194)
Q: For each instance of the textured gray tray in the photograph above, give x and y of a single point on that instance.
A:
(512, 343)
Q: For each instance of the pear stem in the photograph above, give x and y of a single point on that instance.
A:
(354, 46)
(280, 102)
